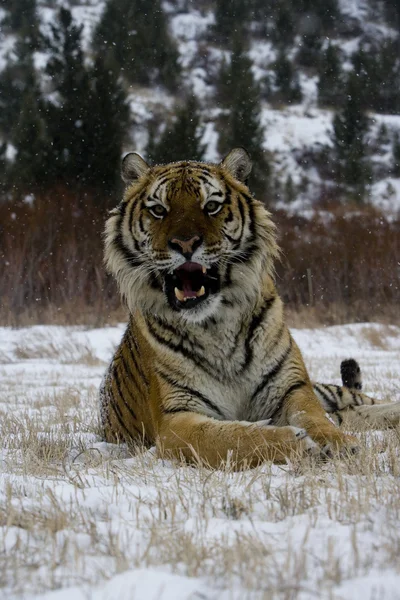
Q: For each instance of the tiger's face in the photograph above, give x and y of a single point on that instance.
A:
(188, 235)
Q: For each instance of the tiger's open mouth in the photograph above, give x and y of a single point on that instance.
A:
(190, 284)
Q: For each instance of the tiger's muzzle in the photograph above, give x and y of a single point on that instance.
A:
(190, 285)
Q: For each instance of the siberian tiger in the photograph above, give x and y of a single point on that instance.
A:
(207, 368)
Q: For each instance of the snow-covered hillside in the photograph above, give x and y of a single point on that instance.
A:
(82, 519)
(290, 131)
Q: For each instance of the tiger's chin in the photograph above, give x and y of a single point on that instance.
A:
(193, 290)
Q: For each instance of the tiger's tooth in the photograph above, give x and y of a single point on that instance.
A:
(201, 291)
(204, 270)
(179, 294)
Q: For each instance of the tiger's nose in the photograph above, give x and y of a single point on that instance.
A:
(186, 246)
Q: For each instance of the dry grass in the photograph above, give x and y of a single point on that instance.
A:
(66, 352)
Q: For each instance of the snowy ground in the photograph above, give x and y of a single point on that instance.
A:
(85, 520)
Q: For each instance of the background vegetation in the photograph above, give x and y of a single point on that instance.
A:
(64, 124)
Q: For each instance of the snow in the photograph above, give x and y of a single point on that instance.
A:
(108, 524)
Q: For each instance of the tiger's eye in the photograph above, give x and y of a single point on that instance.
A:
(212, 207)
(158, 211)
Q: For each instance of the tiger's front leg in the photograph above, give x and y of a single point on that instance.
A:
(302, 409)
(199, 438)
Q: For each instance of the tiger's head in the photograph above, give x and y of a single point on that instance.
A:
(188, 237)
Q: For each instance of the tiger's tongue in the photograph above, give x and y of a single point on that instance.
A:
(191, 275)
(189, 284)
(188, 290)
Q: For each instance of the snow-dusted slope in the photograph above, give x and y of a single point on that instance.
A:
(289, 131)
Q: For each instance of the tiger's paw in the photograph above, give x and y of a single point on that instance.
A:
(348, 446)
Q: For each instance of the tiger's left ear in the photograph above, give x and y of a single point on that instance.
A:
(133, 167)
(238, 164)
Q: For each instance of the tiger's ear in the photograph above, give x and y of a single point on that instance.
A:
(133, 167)
(238, 164)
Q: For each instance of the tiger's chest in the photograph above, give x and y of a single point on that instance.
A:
(226, 366)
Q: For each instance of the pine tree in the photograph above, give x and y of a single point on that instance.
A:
(322, 15)
(286, 80)
(310, 50)
(22, 19)
(69, 118)
(330, 84)
(229, 18)
(17, 78)
(108, 121)
(29, 138)
(396, 155)
(350, 127)
(135, 33)
(242, 126)
(378, 71)
(181, 139)
(284, 28)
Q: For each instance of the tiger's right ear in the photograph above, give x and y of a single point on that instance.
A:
(133, 167)
(238, 163)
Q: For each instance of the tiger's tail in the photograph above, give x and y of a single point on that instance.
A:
(350, 407)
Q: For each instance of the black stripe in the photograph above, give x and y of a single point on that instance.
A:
(229, 218)
(171, 329)
(120, 420)
(200, 360)
(268, 377)
(256, 321)
(293, 388)
(155, 284)
(242, 215)
(132, 344)
(177, 409)
(290, 390)
(247, 197)
(235, 243)
(244, 256)
(118, 242)
(191, 392)
(118, 386)
(339, 391)
(354, 396)
(131, 378)
(330, 405)
(182, 350)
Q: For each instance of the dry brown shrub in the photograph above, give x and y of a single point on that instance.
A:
(340, 266)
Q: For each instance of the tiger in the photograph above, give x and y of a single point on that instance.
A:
(207, 369)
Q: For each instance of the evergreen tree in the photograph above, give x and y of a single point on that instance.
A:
(284, 27)
(16, 79)
(135, 34)
(309, 53)
(286, 80)
(22, 19)
(88, 120)
(350, 127)
(181, 139)
(242, 127)
(396, 155)
(229, 17)
(322, 15)
(28, 171)
(378, 72)
(330, 84)
(108, 121)
(69, 118)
